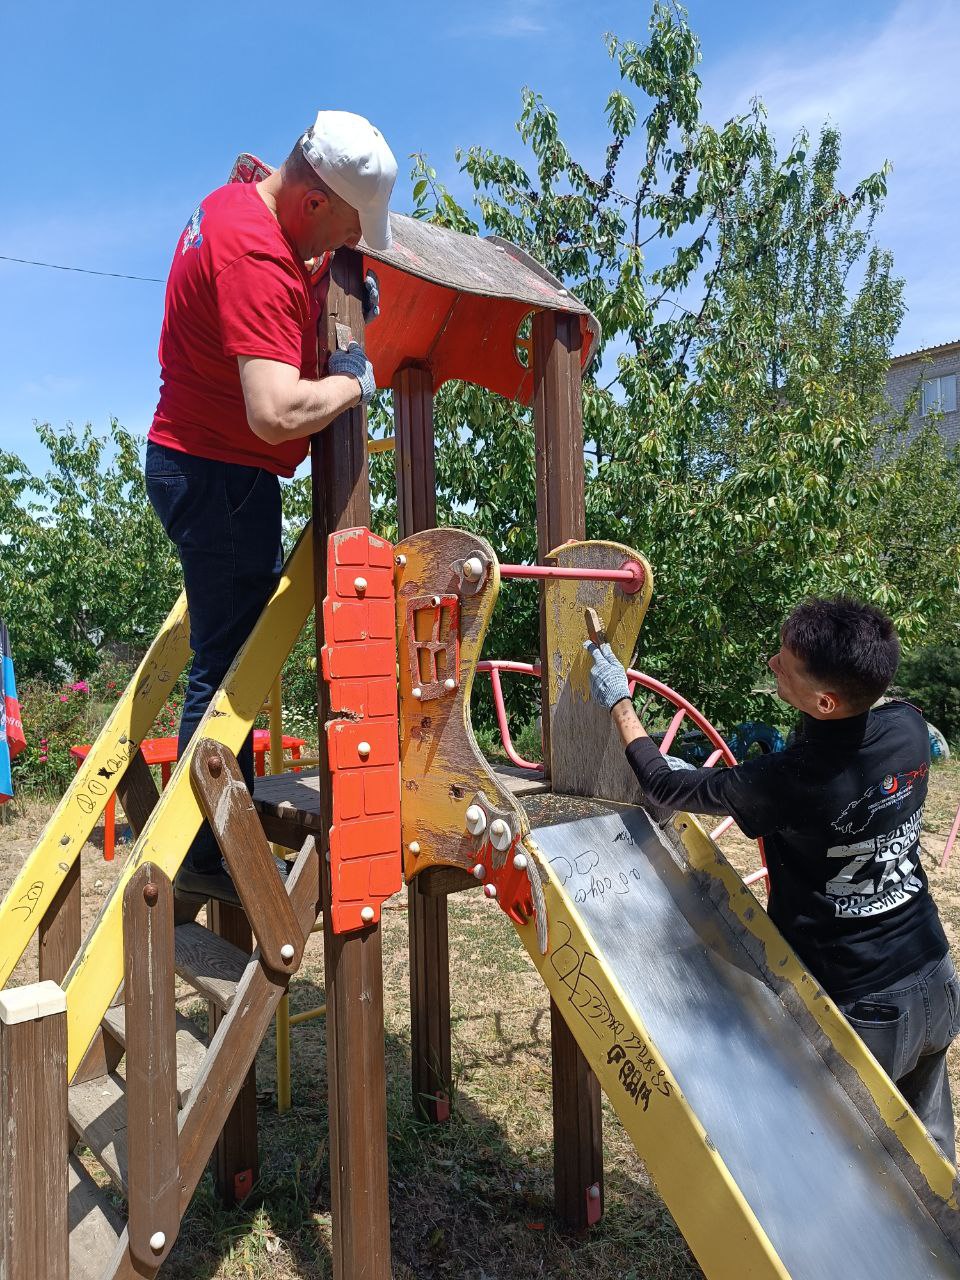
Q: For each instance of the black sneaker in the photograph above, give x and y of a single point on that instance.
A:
(198, 886)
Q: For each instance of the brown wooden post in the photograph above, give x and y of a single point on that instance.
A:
(59, 932)
(153, 1189)
(236, 1161)
(356, 1071)
(34, 1233)
(558, 427)
(427, 920)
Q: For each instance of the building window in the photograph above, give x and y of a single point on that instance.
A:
(940, 394)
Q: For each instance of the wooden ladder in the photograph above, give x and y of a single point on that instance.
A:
(152, 1095)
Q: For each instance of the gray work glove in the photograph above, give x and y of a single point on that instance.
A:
(371, 298)
(608, 680)
(354, 364)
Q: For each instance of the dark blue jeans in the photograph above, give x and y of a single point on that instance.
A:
(225, 522)
(908, 1028)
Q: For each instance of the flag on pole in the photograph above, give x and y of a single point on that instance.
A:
(12, 741)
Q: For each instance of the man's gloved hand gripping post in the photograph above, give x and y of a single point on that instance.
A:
(840, 812)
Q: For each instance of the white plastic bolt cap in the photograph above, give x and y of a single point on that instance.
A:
(287, 952)
(476, 819)
(417, 692)
(414, 846)
(499, 834)
(366, 914)
(158, 1242)
(472, 568)
(479, 871)
(449, 684)
(520, 862)
(363, 750)
(490, 890)
(436, 601)
(594, 1192)
(360, 585)
(401, 561)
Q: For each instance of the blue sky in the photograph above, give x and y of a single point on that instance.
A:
(120, 117)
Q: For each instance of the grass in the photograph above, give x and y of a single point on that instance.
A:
(470, 1199)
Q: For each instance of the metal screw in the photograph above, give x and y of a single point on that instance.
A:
(367, 914)
(287, 952)
(363, 750)
(215, 765)
(479, 871)
(151, 894)
(359, 585)
(520, 862)
(158, 1242)
(64, 840)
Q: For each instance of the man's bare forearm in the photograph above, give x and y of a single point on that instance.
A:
(627, 722)
(314, 405)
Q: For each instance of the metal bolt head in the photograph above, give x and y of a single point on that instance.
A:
(476, 819)
(490, 890)
(472, 568)
(479, 871)
(367, 914)
(158, 1242)
(417, 692)
(359, 585)
(520, 862)
(287, 952)
(414, 846)
(151, 894)
(215, 765)
(363, 750)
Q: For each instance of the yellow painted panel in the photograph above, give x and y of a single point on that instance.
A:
(73, 819)
(717, 1223)
(98, 969)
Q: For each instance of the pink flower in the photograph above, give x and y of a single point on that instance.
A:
(80, 687)
(64, 697)
(43, 742)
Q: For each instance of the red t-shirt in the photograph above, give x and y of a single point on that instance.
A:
(236, 288)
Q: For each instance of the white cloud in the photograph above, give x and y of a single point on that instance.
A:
(509, 21)
(892, 89)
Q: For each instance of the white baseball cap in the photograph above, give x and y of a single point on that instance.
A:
(353, 159)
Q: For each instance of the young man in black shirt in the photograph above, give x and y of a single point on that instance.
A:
(840, 811)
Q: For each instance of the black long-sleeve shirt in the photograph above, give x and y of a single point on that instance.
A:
(840, 812)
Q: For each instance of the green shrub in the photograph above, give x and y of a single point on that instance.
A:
(930, 678)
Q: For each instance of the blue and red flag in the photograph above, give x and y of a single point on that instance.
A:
(12, 741)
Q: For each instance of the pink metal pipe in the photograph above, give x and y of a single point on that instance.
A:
(951, 841)
(630, 574)
(501, 710)
(671, 733)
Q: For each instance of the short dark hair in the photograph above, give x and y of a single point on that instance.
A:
(298, 170)
(850, 645)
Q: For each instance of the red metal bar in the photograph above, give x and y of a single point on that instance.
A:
(501, 710)
(951, 841)
(671, 733)
(630, 574)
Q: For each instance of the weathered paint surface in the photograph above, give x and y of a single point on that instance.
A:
(96, 781)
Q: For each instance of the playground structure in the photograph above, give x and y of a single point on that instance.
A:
(767, 1126)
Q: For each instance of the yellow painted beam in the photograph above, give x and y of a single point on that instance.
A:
(386, 444)
(96, 780)
(98, 969)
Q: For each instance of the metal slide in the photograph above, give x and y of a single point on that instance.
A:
(777, 1143)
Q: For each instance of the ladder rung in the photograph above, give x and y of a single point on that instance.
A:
(98, 1113)
(211, 965)
(191, 1048)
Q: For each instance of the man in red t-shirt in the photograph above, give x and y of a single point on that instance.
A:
(241, 393)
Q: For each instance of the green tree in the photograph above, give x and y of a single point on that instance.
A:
(747, 317)
(85, 561)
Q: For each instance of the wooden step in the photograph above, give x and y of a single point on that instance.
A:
(95, 1226)
(210, 965)
(191, 1048)
(98, 1114)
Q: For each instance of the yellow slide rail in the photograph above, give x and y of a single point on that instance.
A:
(69, 827)
(97, 972)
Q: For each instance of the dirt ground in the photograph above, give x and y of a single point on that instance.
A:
(470, 1199)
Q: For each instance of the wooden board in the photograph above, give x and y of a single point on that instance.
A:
(209, 964)
(586, 757)
(191, 1048)
(98, 1113)
(95, 1226)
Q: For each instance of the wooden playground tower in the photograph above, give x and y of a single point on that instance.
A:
(453, 307)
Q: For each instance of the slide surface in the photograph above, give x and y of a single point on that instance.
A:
(760, 1117)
